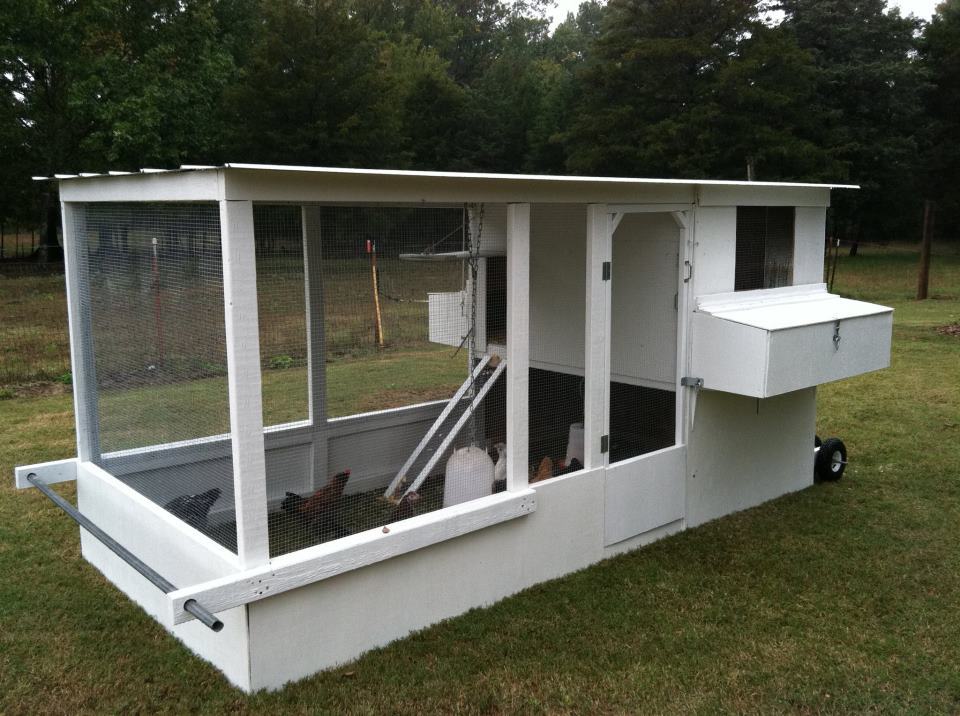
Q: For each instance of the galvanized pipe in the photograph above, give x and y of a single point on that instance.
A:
(203, 615)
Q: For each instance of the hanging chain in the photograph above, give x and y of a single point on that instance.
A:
(473, 247)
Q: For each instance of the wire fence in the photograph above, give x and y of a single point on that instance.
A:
(17, 242)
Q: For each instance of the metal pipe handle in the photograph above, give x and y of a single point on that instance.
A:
(198, 610)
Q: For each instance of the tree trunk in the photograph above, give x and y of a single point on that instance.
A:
(49, 250)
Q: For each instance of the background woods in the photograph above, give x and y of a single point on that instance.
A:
(809, 90)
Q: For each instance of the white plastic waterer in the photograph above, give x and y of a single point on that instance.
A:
(469, 476)
(575, 443)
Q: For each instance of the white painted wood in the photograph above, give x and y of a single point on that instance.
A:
(809, 240)
(316, 340)
(163, 518)
(307, 185)
(179, 553)
(293, 183)
(796, 312)
(331, 621)
(557, 287)
(757, 194)
(715, 249)
(447, 321)
(727, 356)
(805, 356)
(82, 365)
(765, 347)
(760, 297)
(597, 371)
(428, 468)
(447, 409)
(522, 177)
(743, 452)
(644, 493)
(310, 565)
(49, 472)
(644, 316)
(684, 300)
(518, 345)
(647, 208)
(244, 381)
(166, 186)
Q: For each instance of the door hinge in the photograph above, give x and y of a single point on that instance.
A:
(604, 443)
(606, 270)
(691, 382)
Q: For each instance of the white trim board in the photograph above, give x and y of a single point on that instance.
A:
(49, 472)
(360, 550)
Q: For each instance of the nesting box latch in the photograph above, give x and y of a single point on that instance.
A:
(836, 335)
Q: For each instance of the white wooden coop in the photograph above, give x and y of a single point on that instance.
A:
(333, 406)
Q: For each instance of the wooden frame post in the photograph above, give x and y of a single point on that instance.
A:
(597, 358)
(244, 380)
(316, 344)
(518, 344)
(82, 366)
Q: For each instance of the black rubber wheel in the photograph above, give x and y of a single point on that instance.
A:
(817, 442)
(831, 460)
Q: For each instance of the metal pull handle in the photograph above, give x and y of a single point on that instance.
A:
(199, 611)
(836, 335)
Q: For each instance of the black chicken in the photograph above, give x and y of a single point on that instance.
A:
(194, 509)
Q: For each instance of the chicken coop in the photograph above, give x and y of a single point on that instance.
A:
(318, 409)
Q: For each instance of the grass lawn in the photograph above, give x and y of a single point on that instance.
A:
(841, 598)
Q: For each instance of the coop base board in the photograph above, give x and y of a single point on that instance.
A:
(325, 624)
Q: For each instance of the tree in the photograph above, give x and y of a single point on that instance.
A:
(941, 57)
(870, 90)
(652, 66)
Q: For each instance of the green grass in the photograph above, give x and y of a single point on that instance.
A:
(842, 598)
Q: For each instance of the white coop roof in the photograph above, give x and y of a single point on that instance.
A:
(784, 309)
(273, 182)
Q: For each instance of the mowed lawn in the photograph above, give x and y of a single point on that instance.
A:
(842, 598)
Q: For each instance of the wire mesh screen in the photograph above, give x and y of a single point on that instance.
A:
(282, 308)
(412, 398)
(557, 314)
(643, 342)
(152, 293)
(764, 254)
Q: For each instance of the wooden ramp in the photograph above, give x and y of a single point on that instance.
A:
(446, 427)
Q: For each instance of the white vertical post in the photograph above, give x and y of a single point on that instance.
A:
(518, 344)
(243, 370)
(684, 267)
(316, 346)
(597, 358)
(82, 366)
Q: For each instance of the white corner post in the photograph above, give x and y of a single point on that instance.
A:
(243, 371)
(316, 345)
(518, 344)
(597, 358)
(81, 339)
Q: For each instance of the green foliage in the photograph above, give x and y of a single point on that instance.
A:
(941, 58)
(869, 109)
(838, 90)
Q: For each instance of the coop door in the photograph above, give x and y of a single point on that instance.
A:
(645, 477)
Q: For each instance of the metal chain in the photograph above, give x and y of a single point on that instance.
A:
(473, 247)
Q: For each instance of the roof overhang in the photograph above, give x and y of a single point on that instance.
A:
(267, 182)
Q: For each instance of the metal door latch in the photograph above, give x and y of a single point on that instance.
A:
(836, 335)
(690, 382)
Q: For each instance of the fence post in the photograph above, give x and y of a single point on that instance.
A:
(923, 279)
